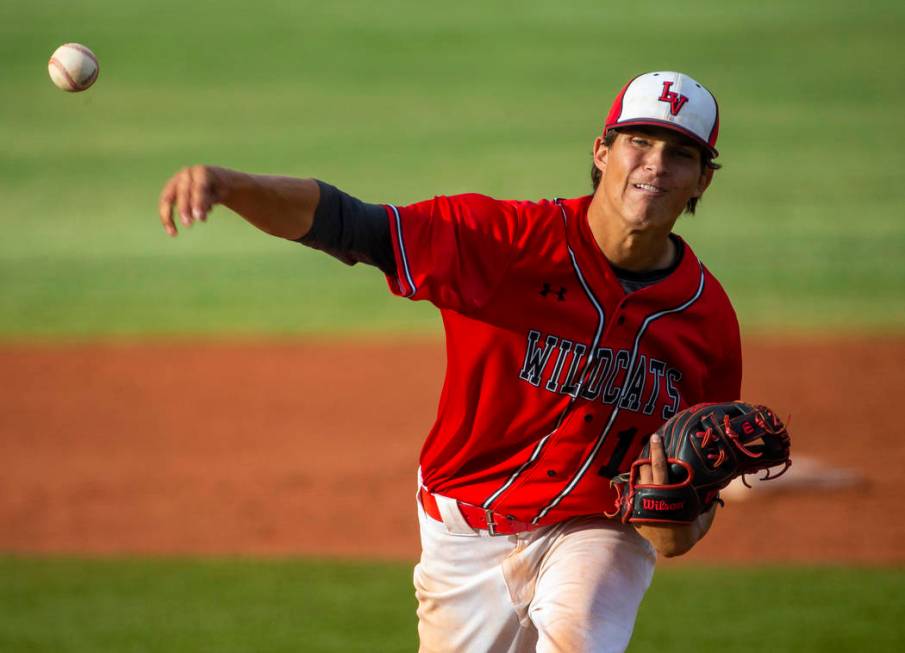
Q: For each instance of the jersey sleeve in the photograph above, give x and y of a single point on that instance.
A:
(724, 382)
(452, 251)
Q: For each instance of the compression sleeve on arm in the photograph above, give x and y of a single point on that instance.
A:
(351, 230)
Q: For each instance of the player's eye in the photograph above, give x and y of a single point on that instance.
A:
(637, 140)
(684, 153)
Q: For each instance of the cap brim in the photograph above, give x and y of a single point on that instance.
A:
(667, 125)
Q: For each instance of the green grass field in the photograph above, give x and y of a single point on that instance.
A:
(268, 606)
(397, 101)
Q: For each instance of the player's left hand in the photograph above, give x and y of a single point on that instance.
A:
(656, 472)
(669, 539)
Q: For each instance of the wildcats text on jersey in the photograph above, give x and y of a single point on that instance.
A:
(558, 365)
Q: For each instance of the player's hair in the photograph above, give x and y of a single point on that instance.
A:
(706, 162)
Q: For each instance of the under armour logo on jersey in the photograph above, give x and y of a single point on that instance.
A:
(676, 101)
(546, 290)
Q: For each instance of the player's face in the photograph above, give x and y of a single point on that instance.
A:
(648, 175)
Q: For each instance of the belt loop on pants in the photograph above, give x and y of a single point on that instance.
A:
(475, 516)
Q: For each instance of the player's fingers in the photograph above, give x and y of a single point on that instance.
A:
(202, 192)
(644, 474)
(165, 207)
(659, 473)
(183, 196)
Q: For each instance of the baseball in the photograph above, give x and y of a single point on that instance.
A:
(73, 67)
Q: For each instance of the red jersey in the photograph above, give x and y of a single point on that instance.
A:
(555, 376)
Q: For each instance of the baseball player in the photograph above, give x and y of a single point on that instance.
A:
(574, 329)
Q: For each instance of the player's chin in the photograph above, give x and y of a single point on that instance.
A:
(653, 211)
(646, 217)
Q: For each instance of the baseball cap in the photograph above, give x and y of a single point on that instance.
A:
(671, 100)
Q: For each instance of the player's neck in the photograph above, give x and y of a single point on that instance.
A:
(630, 249)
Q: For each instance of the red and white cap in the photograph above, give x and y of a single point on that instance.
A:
(671, 100)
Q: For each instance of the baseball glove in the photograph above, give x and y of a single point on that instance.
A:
(706, 446)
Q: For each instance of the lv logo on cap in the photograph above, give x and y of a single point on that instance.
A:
(676, 101)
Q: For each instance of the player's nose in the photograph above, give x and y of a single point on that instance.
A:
(655, 158)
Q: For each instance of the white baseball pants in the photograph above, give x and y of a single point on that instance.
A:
(573, 587)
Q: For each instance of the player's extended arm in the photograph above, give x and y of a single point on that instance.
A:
(280, 206)
(670, 539)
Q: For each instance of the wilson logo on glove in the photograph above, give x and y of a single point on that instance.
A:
(661, 505)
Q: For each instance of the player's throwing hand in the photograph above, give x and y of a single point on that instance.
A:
(280, 206)
(193, 191)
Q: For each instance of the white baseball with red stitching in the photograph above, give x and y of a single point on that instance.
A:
(73, 67)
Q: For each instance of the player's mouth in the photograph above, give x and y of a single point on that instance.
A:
(650, 189)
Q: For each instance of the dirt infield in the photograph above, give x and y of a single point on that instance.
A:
(311, 448)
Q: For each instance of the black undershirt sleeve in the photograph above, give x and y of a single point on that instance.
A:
(351, 230)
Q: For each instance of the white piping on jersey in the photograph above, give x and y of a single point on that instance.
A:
(525, 465)
(587, 463)
(405, 261)
(600, 324)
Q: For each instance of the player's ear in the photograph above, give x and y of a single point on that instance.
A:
(704, 181)
(600, 153)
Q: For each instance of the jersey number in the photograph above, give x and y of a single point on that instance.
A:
(623, 442)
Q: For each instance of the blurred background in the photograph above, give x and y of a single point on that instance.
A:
(399, 101)
(121, 350)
